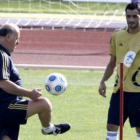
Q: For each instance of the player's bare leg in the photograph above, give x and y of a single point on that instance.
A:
(112, 127)
(6, 138)
(112, 132)
(138, 132)
(43, 108)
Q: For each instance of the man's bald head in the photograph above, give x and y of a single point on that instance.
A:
(8, 28)
(9, 36)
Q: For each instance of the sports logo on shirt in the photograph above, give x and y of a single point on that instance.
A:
(121, 44)
(129, 58)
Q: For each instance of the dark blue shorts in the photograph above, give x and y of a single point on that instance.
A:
(11, 116)
(12, 131)
(131, 109)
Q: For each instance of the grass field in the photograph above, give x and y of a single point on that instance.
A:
(80, 105)
(60, 7)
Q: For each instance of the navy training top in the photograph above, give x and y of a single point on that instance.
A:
(8, 72)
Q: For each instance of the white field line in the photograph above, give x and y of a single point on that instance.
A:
(69, 67)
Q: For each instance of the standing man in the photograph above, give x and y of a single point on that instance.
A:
(124, 47)
(13, 109)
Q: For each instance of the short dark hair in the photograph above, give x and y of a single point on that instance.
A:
(5, 31)
(132, 6)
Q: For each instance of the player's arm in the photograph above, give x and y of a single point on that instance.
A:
(108, 72)
(12, 88)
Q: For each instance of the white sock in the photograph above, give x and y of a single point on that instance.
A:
(138, 136)
(49, 129)
(111, 135)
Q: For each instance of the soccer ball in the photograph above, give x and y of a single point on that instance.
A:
(56, 83)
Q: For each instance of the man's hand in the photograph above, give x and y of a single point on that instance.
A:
(102, 89)
(35, 94)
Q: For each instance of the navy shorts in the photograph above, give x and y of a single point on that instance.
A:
(11, 116)
(131, 109)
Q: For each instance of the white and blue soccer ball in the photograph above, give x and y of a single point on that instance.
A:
(56, 83)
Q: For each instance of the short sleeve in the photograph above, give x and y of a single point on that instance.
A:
(3, 65)
(112, 48)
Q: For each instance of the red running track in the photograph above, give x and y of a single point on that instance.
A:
(63, 47)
